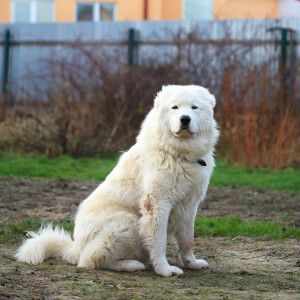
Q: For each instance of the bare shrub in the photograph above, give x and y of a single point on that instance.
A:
(30, 133)
(95, 103)
(3, 107)
(259, 121)
(108, 112)
(91, 108)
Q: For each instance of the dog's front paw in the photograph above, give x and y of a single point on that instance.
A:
(197, 264)
(167, 270)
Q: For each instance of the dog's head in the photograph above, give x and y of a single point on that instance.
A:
(185, 110)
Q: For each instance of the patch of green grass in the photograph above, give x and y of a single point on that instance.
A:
(232, 175)
(37, 166)
(15, 231)
(207, 226)
(27, 166)
(234, 226)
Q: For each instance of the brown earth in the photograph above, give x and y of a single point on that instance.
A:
(240, 268)
(59, 198)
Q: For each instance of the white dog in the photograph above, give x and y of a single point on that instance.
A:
(155, 189)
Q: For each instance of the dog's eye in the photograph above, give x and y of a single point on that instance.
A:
(194, 107)
(175, 107)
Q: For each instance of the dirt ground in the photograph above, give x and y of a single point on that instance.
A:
(240, 268)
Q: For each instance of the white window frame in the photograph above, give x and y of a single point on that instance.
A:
(96, 9)
(32, 11)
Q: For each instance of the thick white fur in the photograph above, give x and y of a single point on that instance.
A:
(154, 190)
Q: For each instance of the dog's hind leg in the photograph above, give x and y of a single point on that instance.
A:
(127, 266)
(115, 247)
(93, 253)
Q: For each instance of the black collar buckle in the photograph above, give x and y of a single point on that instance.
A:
(201, 162)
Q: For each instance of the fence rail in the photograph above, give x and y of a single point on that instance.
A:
(145, 43)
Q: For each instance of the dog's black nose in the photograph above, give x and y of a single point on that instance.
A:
(185, 120)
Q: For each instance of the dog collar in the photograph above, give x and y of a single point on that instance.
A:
(201, 162)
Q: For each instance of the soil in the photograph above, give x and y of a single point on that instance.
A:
(240, 268)
(60, 198)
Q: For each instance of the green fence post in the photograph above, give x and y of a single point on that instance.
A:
(288, 54)
(283, 46)
(132, 47)
(6, 52)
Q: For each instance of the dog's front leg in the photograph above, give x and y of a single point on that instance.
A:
(153, 229)
(184, 223)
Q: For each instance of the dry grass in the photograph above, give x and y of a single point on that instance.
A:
(95, 104)
(260, 123)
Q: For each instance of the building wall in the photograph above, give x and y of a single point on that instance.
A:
(4, 11)
(246, 9)
(172, 10)
(164, 10)
(154, 9)
(177, 9)
(126, 10)
(289, 8)
(63, 13)
(65, 10)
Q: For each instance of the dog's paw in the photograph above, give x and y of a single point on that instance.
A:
(167, 270)
(197, 264)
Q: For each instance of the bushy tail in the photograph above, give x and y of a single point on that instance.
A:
(46, 243)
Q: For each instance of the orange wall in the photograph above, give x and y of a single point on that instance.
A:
(162, 9)
(246, 9)
(129, 10)
(65, 10)
(172, 10)
(4, 11)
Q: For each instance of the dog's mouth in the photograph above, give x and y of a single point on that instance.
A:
(184, 132)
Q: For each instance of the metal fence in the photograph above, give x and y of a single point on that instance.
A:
(24, 47)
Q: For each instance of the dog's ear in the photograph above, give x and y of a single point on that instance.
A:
(205, 93)
(162, 94)
(210, 97)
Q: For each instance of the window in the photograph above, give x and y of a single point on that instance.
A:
(21, 11)
(95, 12)
(32, 11)
(106, 12)
(44, 11)
(85, 12)
(198, 10)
